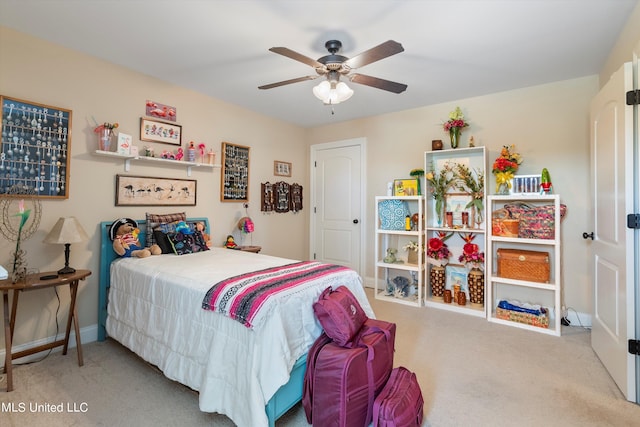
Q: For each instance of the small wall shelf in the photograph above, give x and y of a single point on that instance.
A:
(127, 161)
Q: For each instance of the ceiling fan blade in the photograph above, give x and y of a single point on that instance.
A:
(287, 82)
(297, 56)
(377, 83)
(374, 54)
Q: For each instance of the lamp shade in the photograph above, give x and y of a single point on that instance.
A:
(332, 92)
(66, 230)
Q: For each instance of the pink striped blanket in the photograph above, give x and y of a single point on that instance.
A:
(246, 297)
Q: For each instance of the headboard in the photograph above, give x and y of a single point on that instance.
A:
(107, 255)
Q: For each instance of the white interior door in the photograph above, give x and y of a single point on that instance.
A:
(611, 253)
(337, 202)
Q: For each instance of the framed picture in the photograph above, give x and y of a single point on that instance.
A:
(234, 184)
(124, 143)
(151, 191)
(281, 168)
(157, 131)
(27, 161)
(525, 184)
(457, 275)
(456, 203)
(405, 187)
(161, 111)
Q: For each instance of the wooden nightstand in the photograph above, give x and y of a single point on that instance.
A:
(34, 282)
(254, 249)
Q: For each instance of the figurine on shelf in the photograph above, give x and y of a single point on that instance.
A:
(546, 187)
(180, 154)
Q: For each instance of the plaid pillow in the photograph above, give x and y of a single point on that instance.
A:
(154, 220)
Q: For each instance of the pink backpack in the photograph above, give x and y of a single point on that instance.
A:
(400, 403)
(340, 314)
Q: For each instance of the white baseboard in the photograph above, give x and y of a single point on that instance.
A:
(576, 318)
(87, 334)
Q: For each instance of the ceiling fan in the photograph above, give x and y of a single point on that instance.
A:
(332, 66)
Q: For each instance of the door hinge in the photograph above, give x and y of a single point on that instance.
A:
(633, 221)
(634, 347)
(633, 97)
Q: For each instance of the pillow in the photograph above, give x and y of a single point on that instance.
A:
(162, 240)
(154, 220)
(187, 243)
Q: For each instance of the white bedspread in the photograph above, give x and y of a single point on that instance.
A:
(155, 310)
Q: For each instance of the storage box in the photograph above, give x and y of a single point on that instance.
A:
(523, 265)
(541, 321)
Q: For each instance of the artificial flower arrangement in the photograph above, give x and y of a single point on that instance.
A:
(19, 268)
(411, 246)
(440, 182)
(505, 166)
(471, 255)
(418, 174)
(455, 125)
(472, 185)
(437, 250)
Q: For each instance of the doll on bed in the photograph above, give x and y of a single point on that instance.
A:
(124, 234)
(201, 228)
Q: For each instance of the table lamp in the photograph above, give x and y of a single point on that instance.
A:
(66, 231)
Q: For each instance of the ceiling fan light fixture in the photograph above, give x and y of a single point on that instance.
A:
(332, 93)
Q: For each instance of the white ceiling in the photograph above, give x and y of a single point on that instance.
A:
(453, 48)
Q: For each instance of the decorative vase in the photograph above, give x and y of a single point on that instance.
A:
(438, 282)
(454, 135)
(412, 257)
(476, 287)
(502, 189)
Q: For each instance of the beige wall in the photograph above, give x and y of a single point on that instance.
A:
(41, 72)
(628, 40)
(549, 126)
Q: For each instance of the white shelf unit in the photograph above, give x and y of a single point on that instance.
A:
(476, 160)
(386, 272)
(546, 294)
(165, 162)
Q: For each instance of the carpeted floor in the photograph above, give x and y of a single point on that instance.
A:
(472, 373)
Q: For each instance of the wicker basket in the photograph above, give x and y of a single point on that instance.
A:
(541, 321)
(523, 265)
(503, 225)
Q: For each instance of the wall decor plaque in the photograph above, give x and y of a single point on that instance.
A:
(234, 184)
(36, 141)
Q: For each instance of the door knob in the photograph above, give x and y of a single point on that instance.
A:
(586, 235)
(355, 221)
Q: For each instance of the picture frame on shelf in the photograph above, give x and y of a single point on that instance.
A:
(157, 131)
(134, 190)
(405, 187)
(457, 275)
(525, 184)
(281, 168)
(456, 203)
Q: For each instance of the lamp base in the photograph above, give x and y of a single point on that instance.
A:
(66, 270)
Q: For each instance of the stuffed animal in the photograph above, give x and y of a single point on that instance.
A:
(124, 235)
(201, 228)
(231, 243)
(391, 256)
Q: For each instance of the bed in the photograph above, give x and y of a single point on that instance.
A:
(253, 374)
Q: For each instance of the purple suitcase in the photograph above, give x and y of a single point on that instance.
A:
(337, 390)
(400, 403)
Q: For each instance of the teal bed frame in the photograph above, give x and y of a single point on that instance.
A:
(284, 399)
